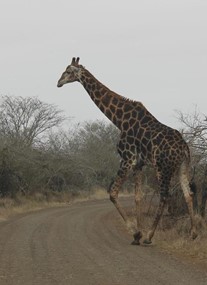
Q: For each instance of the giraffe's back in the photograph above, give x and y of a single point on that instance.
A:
(163, 146)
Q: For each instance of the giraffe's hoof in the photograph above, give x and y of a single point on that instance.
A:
(147, 241)
(194, 235)
(135, 242)
(137, 236)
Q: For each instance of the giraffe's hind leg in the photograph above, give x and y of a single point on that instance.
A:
(188, 194)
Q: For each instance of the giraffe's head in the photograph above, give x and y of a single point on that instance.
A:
(71, 73)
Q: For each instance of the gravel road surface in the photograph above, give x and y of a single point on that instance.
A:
(84, 243)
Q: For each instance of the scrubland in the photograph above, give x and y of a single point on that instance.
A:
(44, 165)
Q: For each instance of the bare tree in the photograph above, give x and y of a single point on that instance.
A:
(27, 119)
(195, 132)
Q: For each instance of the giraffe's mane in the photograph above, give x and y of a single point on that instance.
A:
(120, 97)
(127, 100)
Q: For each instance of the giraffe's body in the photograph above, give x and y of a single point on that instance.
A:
(143, 140)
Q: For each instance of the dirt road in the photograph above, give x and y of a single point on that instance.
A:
(83, 244)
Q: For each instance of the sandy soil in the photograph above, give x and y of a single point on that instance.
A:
(84, 243)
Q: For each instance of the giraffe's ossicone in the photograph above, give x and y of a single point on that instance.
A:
(143, 140)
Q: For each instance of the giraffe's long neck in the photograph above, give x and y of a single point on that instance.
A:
(110, 103)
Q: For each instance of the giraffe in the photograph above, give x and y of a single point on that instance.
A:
(143, 140)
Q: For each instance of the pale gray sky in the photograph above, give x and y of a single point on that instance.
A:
(153, 51)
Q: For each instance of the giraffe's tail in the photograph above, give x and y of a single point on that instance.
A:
(184, 177)
(190, 171)
(189, 190)
(187, 154)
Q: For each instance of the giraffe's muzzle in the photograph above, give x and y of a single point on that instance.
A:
(59, 84)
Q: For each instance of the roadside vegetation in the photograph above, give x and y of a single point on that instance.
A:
(43, 163)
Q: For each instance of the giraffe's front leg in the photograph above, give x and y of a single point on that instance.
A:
(159, 213)
(138, 197)
(114, 192)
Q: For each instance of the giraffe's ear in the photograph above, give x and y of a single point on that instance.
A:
(77, 60)
(73, 61)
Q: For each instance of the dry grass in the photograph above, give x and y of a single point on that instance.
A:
(173, 234)
(40, 200)
(177, 240)
(23, 204)
(98, 193)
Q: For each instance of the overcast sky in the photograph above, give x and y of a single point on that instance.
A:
(151, 51)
